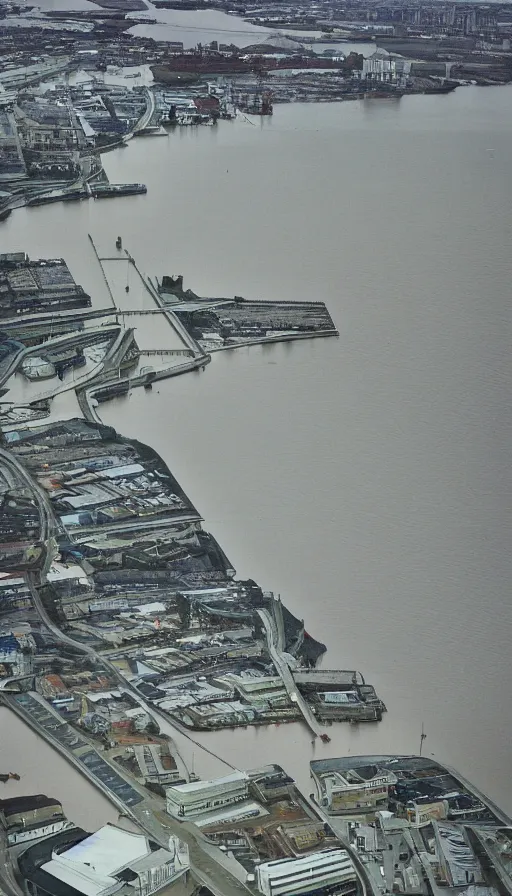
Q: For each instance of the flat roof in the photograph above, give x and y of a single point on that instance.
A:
(109, 849)
(90, 866)
(194, 786)
(125, 470)
(27, 803)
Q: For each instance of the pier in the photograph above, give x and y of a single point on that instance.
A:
(98, 259)
(275, 648)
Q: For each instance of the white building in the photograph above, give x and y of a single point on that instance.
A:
(292, 877)
(45, 830)
(97, 866)
(380, 66)
(199, 797)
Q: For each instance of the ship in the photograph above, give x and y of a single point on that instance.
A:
(442, 87)
(106, 191)
(259, 103)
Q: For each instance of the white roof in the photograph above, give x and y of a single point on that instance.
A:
(137, 711)
(155, 607)
(104, 695)
(201, 785)
(81, 878)
(109, 849)
(247, 809)
(58, 572)
(90, 866)
(127, 470)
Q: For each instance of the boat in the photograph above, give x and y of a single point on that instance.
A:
(442, 87)
(151, 131)
(105, 191)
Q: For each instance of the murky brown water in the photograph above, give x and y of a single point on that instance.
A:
(42, 770)
(366, 479)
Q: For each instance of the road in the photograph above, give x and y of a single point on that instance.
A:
(284, 672)
(208, 864)
(137, 526)
(145, 119)
(8, 882)
(207, 861)
(10, 466)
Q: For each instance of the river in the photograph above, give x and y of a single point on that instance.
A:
(191, 27)
(43, 770)
(365, 478)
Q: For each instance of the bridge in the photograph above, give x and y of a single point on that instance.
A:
(188, 353)
(145, 311)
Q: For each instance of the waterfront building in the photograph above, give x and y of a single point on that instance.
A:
(274, 784)
(319, 871)
(364, 788)
(114, 860)
(258, 690)
(211, 715)
(27, 818)
(198, 797)
(382, 67)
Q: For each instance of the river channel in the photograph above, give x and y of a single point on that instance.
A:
(365, 478)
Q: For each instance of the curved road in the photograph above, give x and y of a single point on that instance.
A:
(146, 117)
(11, 465)
(286, 676)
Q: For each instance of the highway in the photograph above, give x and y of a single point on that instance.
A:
(11, 467)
